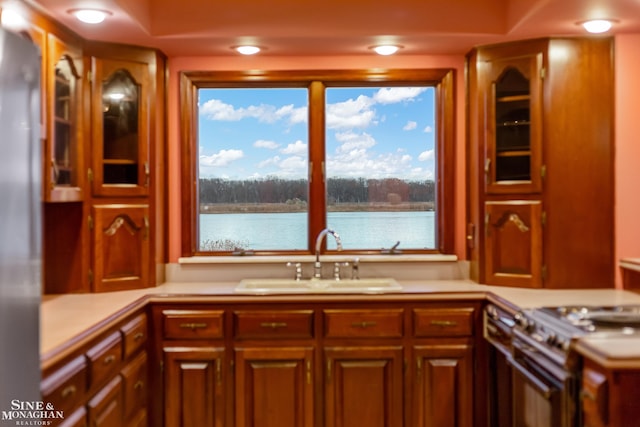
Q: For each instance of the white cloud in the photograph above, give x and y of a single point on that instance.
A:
(426, 155)
(350, 114)
(411, 125)
(392, 95)
(293, 164)
(288, 167)
(262, 143)
(351, 141)
(295, 115)
(297, 148)
(428, 129)
(221, 158)
(269, 162)
(218, 110)
(354, 158)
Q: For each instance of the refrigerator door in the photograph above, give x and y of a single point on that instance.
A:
(20, 224)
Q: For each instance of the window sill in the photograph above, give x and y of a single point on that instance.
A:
(280, 259)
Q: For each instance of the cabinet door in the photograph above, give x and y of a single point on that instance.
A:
(120, 121)
(274, 387)
(513, 114)
(193, 387)
(121, 247)
(364, 386)
(106, 409)
(513, 243)
(63, 178)
(443, 389)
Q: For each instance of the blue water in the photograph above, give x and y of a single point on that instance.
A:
(288, 231)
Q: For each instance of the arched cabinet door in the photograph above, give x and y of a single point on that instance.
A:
(120, 128)
(513, 157)
(121, 247)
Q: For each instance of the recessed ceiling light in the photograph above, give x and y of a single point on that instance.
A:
(386, 49)
(12, 20)
(247, 50)
(597, 26)
(90, 16)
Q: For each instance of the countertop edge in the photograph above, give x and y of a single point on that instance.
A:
(59, 345)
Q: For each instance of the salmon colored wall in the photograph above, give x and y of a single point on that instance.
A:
(627, 128)
(627, 170)
(301, 63)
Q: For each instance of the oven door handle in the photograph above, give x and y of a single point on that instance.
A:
(538, 384)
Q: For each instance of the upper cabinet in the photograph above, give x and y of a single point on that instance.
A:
(514, 126)
(120, 121)
(64, 177)
(540, 163)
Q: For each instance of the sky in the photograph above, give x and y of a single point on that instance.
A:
(377, 132)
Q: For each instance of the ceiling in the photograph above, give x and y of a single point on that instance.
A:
(335, 27)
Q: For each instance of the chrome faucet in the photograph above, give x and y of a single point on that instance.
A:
(317, 268)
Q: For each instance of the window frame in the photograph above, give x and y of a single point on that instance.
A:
(442, 79)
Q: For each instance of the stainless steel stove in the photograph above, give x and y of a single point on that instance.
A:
(533, 349)
(623, 319)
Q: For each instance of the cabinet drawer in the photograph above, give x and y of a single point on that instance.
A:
(193, 324)
(66, 387)
(105, 358)
(134, 334)
(77, 419)
(135, 384)
(438, 322)
(105, 408)
(139, 420)
(363, 323)
(273, 324)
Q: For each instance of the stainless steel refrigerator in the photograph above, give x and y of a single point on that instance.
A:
(20, 223)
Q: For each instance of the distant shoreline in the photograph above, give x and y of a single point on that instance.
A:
(225, 208)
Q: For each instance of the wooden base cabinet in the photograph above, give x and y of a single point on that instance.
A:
(312, 364)
(193, 387)
(442, 395)
(274, 387)
(364, 387)
(105, 382)
(607, 396)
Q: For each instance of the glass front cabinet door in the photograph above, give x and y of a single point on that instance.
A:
(63, 161)
(120, 120)
(513, 162)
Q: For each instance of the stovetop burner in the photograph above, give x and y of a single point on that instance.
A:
(621, 318)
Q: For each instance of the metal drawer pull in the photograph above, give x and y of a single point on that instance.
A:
(138, 385)
(586, 394)
(444, 323)
(273, 325)
(138, 336)
(68, 391)
(363, 324)
(193, 326)
(109, 359)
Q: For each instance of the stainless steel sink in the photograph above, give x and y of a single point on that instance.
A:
(317, 286)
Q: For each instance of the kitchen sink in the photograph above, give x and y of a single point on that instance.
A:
(317, 286)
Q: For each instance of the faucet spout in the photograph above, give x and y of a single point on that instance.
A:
(318, 266)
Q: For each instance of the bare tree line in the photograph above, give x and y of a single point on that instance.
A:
(339, 190)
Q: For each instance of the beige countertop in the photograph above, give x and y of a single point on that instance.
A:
(68, 318)
(630, 263)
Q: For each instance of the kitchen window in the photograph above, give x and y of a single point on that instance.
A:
(272, 158)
